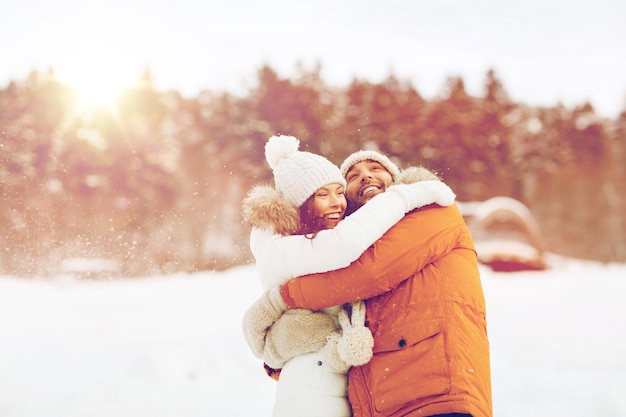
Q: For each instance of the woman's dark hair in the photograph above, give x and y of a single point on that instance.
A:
(309, 223)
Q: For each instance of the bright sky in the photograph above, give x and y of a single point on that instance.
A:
(544, 51)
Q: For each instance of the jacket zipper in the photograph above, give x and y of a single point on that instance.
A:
(370, 400)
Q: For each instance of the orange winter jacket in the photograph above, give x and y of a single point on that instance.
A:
(426, 310)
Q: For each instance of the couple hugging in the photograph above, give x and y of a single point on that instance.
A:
(380, 313)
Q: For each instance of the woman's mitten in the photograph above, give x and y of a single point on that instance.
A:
(423, 193)
(260, 316)
(355, 346)
(296, 332)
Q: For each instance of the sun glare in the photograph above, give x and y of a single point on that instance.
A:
(96, 86)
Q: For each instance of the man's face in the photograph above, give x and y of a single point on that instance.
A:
(366, 179)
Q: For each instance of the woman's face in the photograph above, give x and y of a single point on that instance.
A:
(329, 205)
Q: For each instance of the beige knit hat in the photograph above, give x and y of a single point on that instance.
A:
(365, 155)
(299, 174)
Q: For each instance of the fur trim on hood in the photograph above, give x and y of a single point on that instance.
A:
(265, 208)
(415, 174)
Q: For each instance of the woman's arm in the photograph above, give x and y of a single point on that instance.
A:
(280, 258)
(420, 239)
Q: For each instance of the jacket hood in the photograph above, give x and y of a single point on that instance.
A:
(415, 174)
(265, 208)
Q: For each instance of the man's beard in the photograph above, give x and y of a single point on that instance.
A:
(357, 202)
(353, 206)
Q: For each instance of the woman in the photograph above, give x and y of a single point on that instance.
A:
(297, 231)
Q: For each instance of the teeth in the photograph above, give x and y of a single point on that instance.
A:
(333, 216)
(369, 189)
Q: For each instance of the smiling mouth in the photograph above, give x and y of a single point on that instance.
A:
(368, 190)
(333, 216)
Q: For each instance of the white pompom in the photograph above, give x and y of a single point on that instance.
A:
(279, 147)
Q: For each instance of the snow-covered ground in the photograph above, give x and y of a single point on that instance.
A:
(172, 346)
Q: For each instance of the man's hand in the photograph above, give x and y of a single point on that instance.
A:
(356, 342)
(260, 317)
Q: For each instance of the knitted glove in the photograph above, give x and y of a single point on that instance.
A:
(296, 332)
(260, 317)
(356, 343)
(422, 193)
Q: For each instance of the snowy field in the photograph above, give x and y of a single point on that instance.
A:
(171, 346)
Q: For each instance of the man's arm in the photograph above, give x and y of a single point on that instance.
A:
(280, 258)
(416, 241)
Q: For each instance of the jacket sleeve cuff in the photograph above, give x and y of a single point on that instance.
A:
(271, 372)
(284, 292)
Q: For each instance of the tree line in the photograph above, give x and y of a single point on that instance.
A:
(156, 181)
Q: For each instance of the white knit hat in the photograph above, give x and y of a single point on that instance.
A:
(366, 155)
(299, 174)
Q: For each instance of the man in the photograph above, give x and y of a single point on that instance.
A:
(425, 308)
